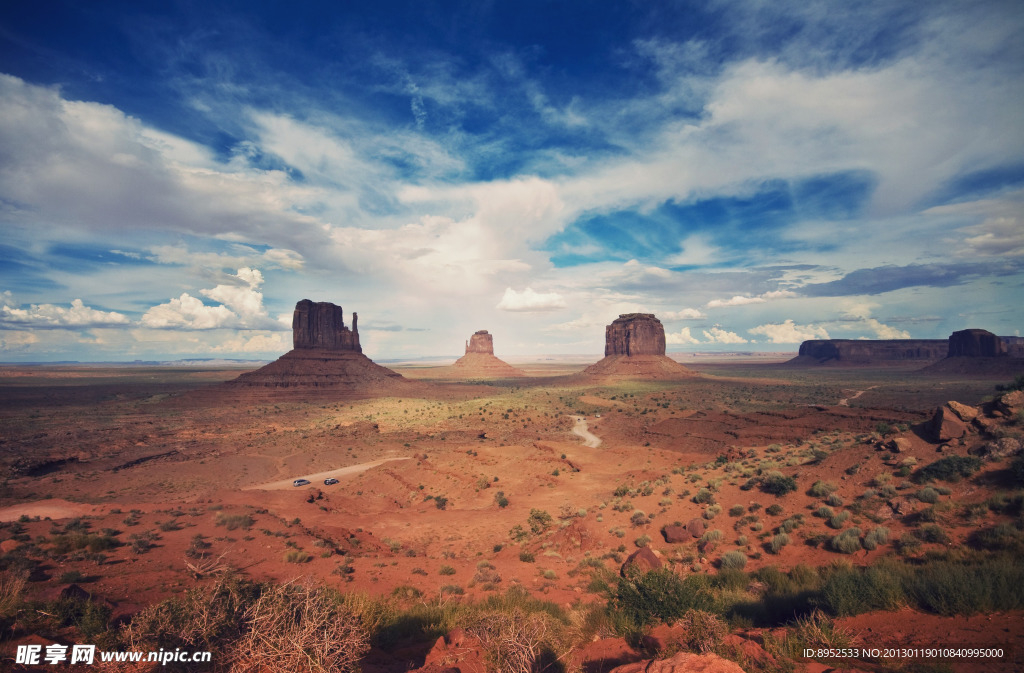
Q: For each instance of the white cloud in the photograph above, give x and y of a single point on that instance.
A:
(16, 341)
(738, 300)
(681, 338)
(256, 343)
(528, 300)
(718, 335)
(51, 316)
(682, 314)
(241, 306)
(788, 333)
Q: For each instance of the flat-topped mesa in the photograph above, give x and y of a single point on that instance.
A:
(976, 343)
(321, 325)
(867, 350)
(480, 342)
(634, 334)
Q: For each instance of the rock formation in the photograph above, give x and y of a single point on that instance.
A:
(859, 351)
(320, 325)
(634, 334)
(326, 361)
(634, 347)
(480, 342)
(975, 343)
(479, 361)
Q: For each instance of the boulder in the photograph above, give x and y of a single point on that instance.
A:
(975, 343)
(643, 560)
(1010, 403)
(321, 326)
(1004, 447)
(675, 534)
(634, 334)
(963, 412)
(900, 445)
(945, 425)
(683, 662)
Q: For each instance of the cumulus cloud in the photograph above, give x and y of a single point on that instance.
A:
(681, 338)
(528, 301)
(241, 306)
(744, 300)
(51, 316)
(717, 335)
(255, 343)
(788, 332)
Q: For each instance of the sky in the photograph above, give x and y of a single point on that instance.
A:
(176, 175)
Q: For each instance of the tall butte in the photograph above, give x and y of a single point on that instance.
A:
(326, 359)
(634, 347)
(480, 362)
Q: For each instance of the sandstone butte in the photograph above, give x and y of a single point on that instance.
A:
(634, 347)
(479, 360)
(326, 358)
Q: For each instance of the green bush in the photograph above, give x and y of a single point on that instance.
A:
(773, 510)
(851, 591)
(951, 588)
(704, 496)
(526, 557)
(734, 560)
(874, 538)
(446, 570)
(932, 533)
(660, 595)
(778, 542)
(950, 468)
(778, 485)
(820, 489)
(846, 542)
(928, 495)
(838, 519)
(736, 510)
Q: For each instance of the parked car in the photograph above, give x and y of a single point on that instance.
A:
(329, 481)
(300, 482)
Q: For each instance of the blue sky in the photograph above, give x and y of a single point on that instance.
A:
(174, 176)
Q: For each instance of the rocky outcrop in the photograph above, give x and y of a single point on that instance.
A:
(864, 350)
(479, 361)
(642, 560)
(321, 325)
(975, 343)
(634, 334)
(683, 662)
(480, 342)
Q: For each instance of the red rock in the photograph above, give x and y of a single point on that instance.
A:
(1010, 403)
(963, 412)
(974, 343)
(684, 662)
(644, 559)
(480, 342)
(635, 334)
(321, 325)
(675, 534)
(869, 350)
(696, 526)
(945, 425)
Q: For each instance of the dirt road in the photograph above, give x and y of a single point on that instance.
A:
(580, 429)
(319, 477)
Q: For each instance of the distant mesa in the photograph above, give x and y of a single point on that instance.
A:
(479, 360)
(326, 359)
(634, 347)
(966, 350)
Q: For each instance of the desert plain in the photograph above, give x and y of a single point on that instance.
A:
(794, 503)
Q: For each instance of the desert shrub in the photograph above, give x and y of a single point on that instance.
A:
(704, 496)
(814, 631)
(907, 545)
(823, 512)
(952, 588)
(1004, 536)
(834, 500)
(820, 489)
(12, 586)
(774, 510)
(234, 521)
(712, 511)
(736, 510)
(709, 539)
(950, 468)
(539, 521)
(734, 560)
(446, 570)
(660, 595)
(297, 556)
(932, 533)
(778, 484)
(846, 542)
(928, 494)
(838, 519)
(642, 541)
(790, 524)
(877, 536)
(778, 542)
(1017, 470)
(638, 518)
(517, 639)
(850, 591)
(500, 499)
(526, 556)
(704, 631)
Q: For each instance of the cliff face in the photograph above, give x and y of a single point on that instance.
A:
(634, 334)
(976, 343)
(320, 325)
(480, 342)
(864, 350)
